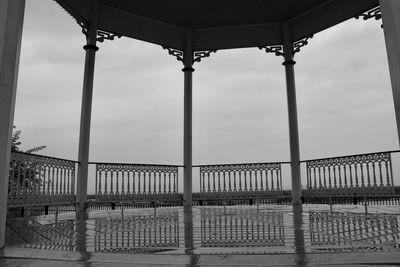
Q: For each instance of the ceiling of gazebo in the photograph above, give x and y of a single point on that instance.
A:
(218, 24)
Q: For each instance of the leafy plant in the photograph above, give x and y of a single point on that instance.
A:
(16, 142)
(23, 174)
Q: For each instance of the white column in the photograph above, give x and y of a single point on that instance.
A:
(86, 109)
(292, 112)
(187, 122)
(391, 27)
(11, 23)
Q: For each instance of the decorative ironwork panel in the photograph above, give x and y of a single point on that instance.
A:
(300, 43)
(101, 35)
(241, 180)
(375, 13)
(242, 229)
(120, 182)
(36, 180)
(368, 174)
(104, 35)
(276, 49)
(198, 55)
(175, 52)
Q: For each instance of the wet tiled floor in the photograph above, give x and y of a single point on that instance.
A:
(215, 231)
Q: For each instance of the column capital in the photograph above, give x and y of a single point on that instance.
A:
(288, 62)
(288, 48)
(90, 47)
(90, 28)
(188, 69)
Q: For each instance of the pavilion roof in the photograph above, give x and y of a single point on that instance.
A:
(217, 24)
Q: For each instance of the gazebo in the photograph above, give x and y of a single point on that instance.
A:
(189, 31)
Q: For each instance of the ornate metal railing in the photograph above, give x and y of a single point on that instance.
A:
(40, 180)
(241, 180)
(135, 182)
(366, 174)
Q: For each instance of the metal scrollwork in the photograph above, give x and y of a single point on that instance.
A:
(198, 55)
(37, 179)
(240, 180)
(119, 182)
(276, 49)
(104, 35)
(300, 43)
(368, 174)
(375, 13)
(175, 52)
(83, 26)
(101, 35)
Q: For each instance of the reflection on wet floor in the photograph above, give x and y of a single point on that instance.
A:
(137, 233)
(241, 228)
(335, 232)
(210, 230)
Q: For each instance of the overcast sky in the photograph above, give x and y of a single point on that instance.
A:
(344, 97)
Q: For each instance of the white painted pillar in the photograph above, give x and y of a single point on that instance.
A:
(187, 122)
(391, 26)
(86, 109)
(292, 111)
(11, 24)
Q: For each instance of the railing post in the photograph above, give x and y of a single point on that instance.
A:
(187, 121)
(11, 24)
(86, 110)
(292, 112)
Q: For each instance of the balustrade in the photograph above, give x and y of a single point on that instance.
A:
(241, 180)
(37, 180)
(127, 182)
(369, 174)
(40, 180)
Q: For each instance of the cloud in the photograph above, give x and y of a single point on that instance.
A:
(239, 96)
